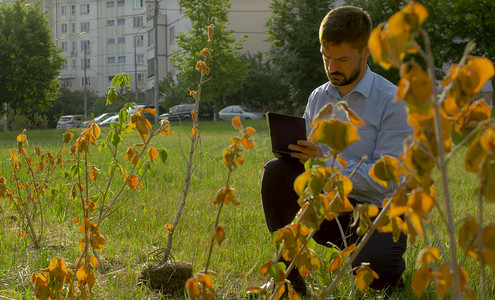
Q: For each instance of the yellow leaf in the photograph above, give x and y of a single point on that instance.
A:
(420, 202)
(192, 288)
(420, 281)
(219, 234)
(468, 236)
(347, 251)
(93, 173)
(152, 153)
(210, 32)
(353, 117)
(475, 156)
(132, 181)
(337, 134)
(141, 123)
(323, 113)
(205, 52)
(67, 137)
(130, 154)
(335, 263)
(301, 182)
(151, 111)
(385, 169)
(98, 241)
(93, 261)
(194, 131)
(280, 292)
(484, 70)
(428, 255)
(293, 295)
(247, 142)
(169, 228)
(250, 131)
(236, 123)
(22, 234)
(364, 277)
(206, 280)
(488, 140)
(415, 89)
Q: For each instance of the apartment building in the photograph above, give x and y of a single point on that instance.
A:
(100, 39)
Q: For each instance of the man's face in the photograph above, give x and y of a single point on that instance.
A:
(343, 63)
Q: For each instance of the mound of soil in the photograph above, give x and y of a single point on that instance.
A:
(169, 277)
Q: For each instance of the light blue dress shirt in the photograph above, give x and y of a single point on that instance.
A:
(384, 131)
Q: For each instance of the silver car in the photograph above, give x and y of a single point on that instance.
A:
(70, 121)
(243, 112)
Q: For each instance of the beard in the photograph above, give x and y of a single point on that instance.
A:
(343, 80)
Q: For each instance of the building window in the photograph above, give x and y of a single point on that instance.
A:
(110, 4)
(63, 46)
(85, 45)
(110, 41)
(111, 59)
(172, 35)
(73, 9)
(84, 26)
(65, 65)
(121, 22)
(138, 3)
(88, 82)
(121, 59)
(138, 40)
(73, 64)
(84, 9)
(73, 27)
(73, 48)
(63, 28)
(151, 37)
(140, 58)
(63, 10)
(151, 68)
(121, 40)
(121, 3)
(87, 63)
(138, 22)
(67, 82)
(140, 77)
(111, 22)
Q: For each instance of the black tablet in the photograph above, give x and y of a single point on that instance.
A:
(285, 130)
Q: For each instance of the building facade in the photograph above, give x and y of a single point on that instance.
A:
(100, 39)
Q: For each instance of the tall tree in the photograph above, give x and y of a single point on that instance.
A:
(293, 31)
(451, 24)
(262, 89)
(29, 60)
(226, 68)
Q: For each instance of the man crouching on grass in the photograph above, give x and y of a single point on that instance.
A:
(344, 34)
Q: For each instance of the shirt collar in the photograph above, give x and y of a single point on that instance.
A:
(363, 87)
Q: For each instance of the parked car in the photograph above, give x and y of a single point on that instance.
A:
(182, 112)
(70, 121)
(107, 121)
(243, 112)
(98, 119)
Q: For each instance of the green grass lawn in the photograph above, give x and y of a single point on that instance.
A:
(137, 228)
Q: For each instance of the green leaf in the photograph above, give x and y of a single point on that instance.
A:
(116, 139)
(102, 146)
(74, 171)
(163, 154)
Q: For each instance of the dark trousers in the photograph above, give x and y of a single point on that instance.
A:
(280, 206)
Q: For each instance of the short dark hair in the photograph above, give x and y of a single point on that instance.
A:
(348, 24)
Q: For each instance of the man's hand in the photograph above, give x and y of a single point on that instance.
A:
(305, 150)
